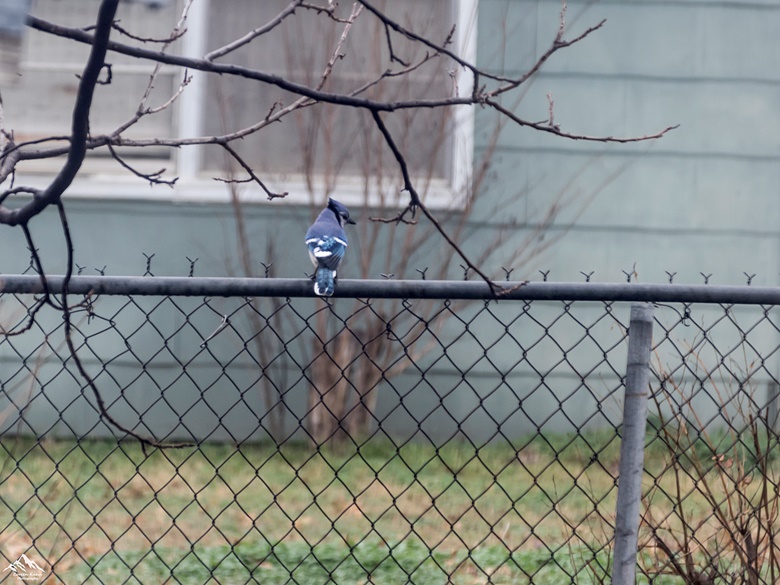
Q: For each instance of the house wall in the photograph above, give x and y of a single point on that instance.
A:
(701, 199)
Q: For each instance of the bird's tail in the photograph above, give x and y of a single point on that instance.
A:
(324, 282)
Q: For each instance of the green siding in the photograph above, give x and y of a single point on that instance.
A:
(704, 197)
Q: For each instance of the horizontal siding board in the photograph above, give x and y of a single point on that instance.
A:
(723, 119)
(729, 40)
(655, 192)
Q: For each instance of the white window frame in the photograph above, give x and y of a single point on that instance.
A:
(198, 186)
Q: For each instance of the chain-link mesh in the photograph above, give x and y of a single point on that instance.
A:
(379, 441)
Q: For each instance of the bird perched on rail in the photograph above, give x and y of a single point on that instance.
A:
(327, 242)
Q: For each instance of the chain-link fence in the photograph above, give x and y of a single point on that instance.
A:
(420, 432)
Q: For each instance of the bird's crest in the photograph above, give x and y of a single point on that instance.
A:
(342, 213)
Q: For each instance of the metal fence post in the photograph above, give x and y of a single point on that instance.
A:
(632, 445)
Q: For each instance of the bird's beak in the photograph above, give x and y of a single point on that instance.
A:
(352, 221)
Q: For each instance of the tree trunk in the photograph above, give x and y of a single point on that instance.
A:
(344, 377)
(328, 397)
(368, 373)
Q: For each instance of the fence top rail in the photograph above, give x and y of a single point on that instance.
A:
(395, 289)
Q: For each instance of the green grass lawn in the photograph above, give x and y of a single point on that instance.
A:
(97, 511)
(257, 510)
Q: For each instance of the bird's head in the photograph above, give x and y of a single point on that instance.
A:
(342, 213)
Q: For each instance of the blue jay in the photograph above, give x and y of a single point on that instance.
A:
(327, 242)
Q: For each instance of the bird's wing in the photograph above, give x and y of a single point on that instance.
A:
(328, 250)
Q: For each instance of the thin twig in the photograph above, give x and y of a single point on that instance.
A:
(393, 56)
(337, 54)
(270, 194)
(555, 129)
(154, 178)
(416, 203)
(177, 34)
(13, 191)
(329, 10)
(253, 34)
(103, 409)
(556, 46)
(399, 218)
(142, 109)
(389, 23)
(39, 302)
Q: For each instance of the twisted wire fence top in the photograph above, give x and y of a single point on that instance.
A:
(398, 437)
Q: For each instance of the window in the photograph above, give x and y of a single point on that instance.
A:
(40, 103)
(325, 146)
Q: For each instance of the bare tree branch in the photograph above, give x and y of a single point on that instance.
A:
(13, 191)
(552, 128)
(245, 72)
(39, 302)
(80, 123)
(144, 110)
(52, 196)
(103, 409)
(270, 194)
(556, 46)
(337, 54)
(308, 96)
(176, 34)
(252, 35)
(10, 157)
(154, 178)
(416, 202)
(389, 23)
(291, 86)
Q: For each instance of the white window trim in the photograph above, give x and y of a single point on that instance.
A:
(195, 186)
